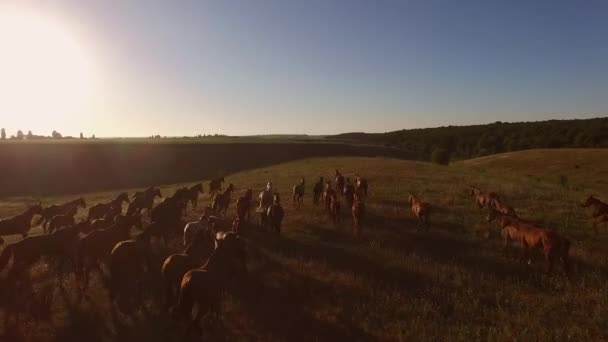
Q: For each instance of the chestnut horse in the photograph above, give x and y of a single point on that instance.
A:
(501, 207)
(327, 193)
(215, 186)
(59, 221)
(243, 205)
(339, 182)
(100, 210)
(98, 244)
(358, 211)
(192, 227)
(176, 265)
(143, 200)
(222, 201)
(49, 212)
(420, 209)
(203, 286)
(317, 191)
(483, 199)
(298, 194)
(531, 236)
(19, 224)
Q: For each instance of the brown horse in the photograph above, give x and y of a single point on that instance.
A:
(49, 212)
(222, 201)
(100, 210)
(327, 193)
(30, 249)
(129, 260)
(358, 211)
(599, 208)
(317, 191)
(19, 224)
(361, 186)
(98, 244)
(193, 193)
(501, 207)
(215, 186)
(203, 286)
(143, 200)
(483, 199)
(421, 210)
(339, 182)
(531, 236)
(275, 213)
(334, 209)
(176, 265)
(349, 192)
(170, 211)
(243, 205)
(298, 194)
(59, 221)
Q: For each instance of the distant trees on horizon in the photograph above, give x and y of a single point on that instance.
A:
(31, 136)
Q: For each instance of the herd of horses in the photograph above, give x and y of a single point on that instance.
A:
(214, 255)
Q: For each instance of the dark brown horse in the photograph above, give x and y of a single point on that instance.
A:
(97, 245)
(532, 236)
(21, 223)
(170, 211)
(358, 211)
(100, 210)
(222, 201)
(483, 199)
(349, 192)
(176, 265)
(599, 208)
(59, 221)
(361, 186)
(275, 214)
(52, 210)
(327, 193)
(215, 186)
(243, 206)
(317, 191)
(334, 209)
(129, 260)
(143, 200)
(193, 193)
(203, 286)
(298, 194)
(339, 182)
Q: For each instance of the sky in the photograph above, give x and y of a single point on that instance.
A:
(137, 68)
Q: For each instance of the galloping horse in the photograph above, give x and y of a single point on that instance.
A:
(265, 198)
(192, 194)
(59, 221)
(176, 265)
(317, 190)
(203, 286)
(21, 223)
(361, 186)
(143, 200)
(483, 199)
(329, 191)
(599, 208)
(358, 210)
(98, 244)
(275, 213)
(349, 192)
(100, 210)
(52, 210)
(215, 186)
(334, 209)
(531, 236)
(243, 205)
(170, 211)
(222, 201)
(420, 209)
(501, 207)
(339, 182)
(298, 194)
(192, 227)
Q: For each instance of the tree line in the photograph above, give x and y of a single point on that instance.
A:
(31, 136)
(443, 144)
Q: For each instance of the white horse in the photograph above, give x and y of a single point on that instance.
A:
(192, 227)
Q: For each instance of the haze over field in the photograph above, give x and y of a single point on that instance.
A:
(139, 68)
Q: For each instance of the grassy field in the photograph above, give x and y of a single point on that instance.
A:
(315, 283)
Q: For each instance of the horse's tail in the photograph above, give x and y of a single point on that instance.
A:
(6, 256)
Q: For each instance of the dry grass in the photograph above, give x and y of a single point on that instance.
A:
(315, 283)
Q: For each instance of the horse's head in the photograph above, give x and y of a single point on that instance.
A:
(411, 198)
(81, 203)
(230, 187)
(302, 181)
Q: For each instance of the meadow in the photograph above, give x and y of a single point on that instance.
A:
(316, 283)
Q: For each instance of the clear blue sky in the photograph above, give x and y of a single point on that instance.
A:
(322, 67)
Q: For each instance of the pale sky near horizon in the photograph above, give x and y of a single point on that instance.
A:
(136, 68)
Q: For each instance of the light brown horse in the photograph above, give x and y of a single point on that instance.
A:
(298, 194)
(176, 265)
(317, 191)
(193, 193)
(483, 199)
(98, 244)
(501, 207)
(143, 200)
(243, 206)
(327, 193)
(203, 286)
(334, 209)
(222, 201)
(531, 236)
(361, 186)
(59, 221)
(358, 211)
(421, 210)
(52, 210)
(100, 210)
(129, 260)
(19, 224)
(215, 186)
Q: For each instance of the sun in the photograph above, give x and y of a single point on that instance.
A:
(46, 77)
